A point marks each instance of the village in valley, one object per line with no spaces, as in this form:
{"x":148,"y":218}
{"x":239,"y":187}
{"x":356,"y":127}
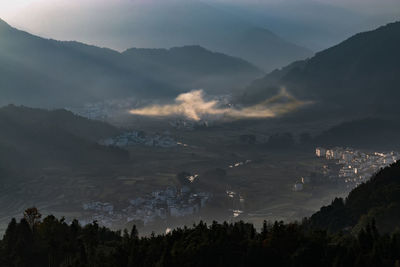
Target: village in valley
{"x":158,"y":205}
{"x":349,"y":166}
{"x":344,"y":167}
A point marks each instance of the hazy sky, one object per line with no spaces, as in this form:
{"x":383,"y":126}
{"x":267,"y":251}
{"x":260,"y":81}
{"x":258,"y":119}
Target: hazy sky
{"x":315,"y":24}
{"x":9,"y":7}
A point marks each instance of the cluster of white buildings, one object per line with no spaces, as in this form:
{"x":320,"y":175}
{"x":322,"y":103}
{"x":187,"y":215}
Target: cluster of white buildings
{"x":171,"y":202}
{"x":356,"y":166}
{"x":135,"y":138}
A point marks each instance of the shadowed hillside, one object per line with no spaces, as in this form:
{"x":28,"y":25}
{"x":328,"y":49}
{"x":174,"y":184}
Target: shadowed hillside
{"x":194,"y":67}
{"x":361,"y":73}
{"x":34,"y":138}
{"x":371,"y":133}
{"x":41,"y":72}
{"x":378,"y":199}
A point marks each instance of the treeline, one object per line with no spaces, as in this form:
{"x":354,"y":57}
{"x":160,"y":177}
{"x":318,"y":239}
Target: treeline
{"x":54,"y":242}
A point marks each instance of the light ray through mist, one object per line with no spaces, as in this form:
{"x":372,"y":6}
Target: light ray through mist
{"x":193,"y":105}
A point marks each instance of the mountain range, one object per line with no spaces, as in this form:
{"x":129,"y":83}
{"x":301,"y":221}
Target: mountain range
{"x":43,"y":72}
{"x":162,"y":23}
{"x":359,"y":74}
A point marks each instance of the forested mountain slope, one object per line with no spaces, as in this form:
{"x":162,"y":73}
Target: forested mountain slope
{"x":362,"y":72}
{"x":377,"y":199}
{"x":35,"y":139}
{"x":47,"y":73}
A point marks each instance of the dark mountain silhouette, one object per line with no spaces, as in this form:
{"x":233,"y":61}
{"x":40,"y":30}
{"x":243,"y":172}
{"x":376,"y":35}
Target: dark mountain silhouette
{"x":194,"y":67}
{"x":378,"y":199}
{"x":371,"y":133}
{"x":361,"y":73}
{"x":41,"y":72}
{"x":36,"y":71}
{"x":36,"y":138}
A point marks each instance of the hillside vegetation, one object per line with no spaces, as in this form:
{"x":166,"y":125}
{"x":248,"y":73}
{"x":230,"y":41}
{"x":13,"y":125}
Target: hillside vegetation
{"x":35,"y":138}
{"x":47,"y":73}
{"x":361,"y":73}
{"x":377,"y":199}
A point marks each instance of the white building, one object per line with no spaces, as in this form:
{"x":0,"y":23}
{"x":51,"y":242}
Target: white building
{"x":320,"y":152}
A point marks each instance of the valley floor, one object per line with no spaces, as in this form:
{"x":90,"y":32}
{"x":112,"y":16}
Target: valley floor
{"x":248,"y":182}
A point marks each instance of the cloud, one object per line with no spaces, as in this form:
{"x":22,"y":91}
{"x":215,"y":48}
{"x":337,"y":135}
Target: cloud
{"x":194,"y":106}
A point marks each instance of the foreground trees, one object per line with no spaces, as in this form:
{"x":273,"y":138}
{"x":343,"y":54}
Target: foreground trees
{"x":53,"y":242}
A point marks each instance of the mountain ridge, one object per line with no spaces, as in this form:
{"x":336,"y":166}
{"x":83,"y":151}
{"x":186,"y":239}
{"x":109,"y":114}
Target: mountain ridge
{"x":361,"y":71}
{"x":169,"y":24}
{"x":58,"y":73}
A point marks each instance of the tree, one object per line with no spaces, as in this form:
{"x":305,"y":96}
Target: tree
{"x":32,"y":216}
